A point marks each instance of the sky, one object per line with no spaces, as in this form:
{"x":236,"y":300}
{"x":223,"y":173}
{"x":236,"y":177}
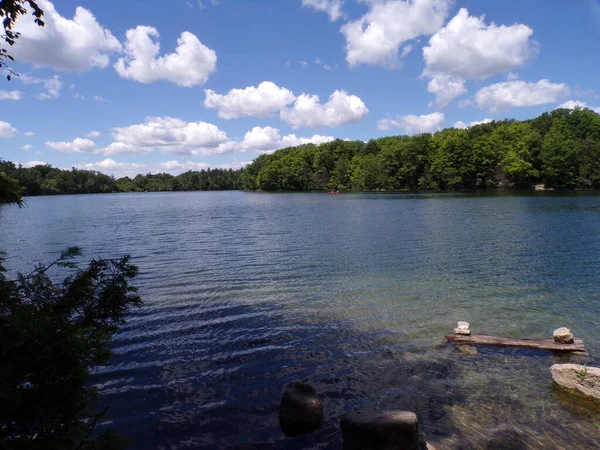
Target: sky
{"x":145,"y":86}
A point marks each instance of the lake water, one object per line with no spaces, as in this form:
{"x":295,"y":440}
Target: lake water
{"x":353,"y":293}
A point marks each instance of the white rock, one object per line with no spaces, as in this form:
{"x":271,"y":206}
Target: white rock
{"x":462,"y":325}
{"x":583,"y":379}
{"x":461,"y":331}
{"x":563,"y":336}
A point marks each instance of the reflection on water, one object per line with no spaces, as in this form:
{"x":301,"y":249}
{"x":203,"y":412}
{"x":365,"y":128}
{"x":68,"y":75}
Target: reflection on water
{"x":352,"y":293}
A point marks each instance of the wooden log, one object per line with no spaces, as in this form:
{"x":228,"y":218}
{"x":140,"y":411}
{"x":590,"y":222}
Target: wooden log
{"x":541,"y":344}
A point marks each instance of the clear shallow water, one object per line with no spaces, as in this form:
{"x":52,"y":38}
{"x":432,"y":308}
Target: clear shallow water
{"x":245,"y":292}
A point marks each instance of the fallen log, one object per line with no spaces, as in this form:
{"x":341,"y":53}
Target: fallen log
{"x":541,"y":344}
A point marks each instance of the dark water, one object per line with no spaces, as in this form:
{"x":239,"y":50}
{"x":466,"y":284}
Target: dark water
{"x":352,"y":293}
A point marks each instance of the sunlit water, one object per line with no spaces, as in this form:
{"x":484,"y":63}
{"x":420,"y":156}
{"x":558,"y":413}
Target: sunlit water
{"x":353,"y":293}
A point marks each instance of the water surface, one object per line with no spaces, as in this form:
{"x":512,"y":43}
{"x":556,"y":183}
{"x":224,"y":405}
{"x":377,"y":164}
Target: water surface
{"x":353,"y":293}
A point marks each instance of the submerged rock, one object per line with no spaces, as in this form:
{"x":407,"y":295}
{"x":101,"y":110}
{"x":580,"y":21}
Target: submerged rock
{"x":301,"y":410}
{"x":563,"y":336}
{"x":583,"y":379}
{"x":381,"y":430}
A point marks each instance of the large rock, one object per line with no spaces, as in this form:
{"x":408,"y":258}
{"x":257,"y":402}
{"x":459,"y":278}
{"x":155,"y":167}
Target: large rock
{"x":563,"y":336}
{"x":301,"y":410}
{"x":383,"y":430}
{"x":583,"y":379}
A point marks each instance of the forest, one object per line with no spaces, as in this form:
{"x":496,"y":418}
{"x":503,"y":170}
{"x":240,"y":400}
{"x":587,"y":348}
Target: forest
{"x":560,"y":149}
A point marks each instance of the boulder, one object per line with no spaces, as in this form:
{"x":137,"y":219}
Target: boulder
{"x":462,"y":325}
{"x":301,"y":410}
{"x":381,"y":430}
{"x":583,"y":379}
{"x":461,"y":331}
{"x":563,"y":336}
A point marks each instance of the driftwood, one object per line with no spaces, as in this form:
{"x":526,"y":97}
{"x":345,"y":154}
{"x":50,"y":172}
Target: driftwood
{"x":541,"y":344}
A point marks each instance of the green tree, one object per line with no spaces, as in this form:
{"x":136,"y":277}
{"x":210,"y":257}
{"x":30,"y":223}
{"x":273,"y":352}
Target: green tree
{"x":52,"y":334}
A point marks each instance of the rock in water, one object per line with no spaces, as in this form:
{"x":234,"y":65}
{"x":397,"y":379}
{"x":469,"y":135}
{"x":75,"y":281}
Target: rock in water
{"x":563,"y":336}
{"x":462,"y":325}
{"x":383,"y":430}
{"x":301,"y":410}
{"x":583,"y":379}
{"x":461,"y":331}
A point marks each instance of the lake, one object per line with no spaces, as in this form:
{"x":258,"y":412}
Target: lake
{"x":352,"y":293}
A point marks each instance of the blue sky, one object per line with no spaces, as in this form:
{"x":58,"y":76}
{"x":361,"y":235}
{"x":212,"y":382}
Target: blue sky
{"x":236,"y":78}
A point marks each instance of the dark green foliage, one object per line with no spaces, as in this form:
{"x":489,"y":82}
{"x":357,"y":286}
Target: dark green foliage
{"x":48,"y":180}
{"x":10,"y":10}
{"x":51,"y":335}
{"x":560,"y":149}
{"x":10,"y":190}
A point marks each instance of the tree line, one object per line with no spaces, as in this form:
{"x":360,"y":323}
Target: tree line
{"x":48,"y":180}
{"x":560,"y":149}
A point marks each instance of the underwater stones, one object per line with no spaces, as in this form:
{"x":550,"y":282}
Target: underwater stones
{"x":462,"y":328}
{"x":563,"y":336}
{"x":583,"y":379}
{"x":381,"y":430}
{"x":301,"y":410}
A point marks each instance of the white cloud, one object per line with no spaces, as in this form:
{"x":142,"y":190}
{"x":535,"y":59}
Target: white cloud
{"x":169,"y":134}
{"x":29,"y":133}
{"x":268,"y":139}
{"x":517,"y":94}
{"x":10,"y":95}
{"x":80,"y":43}
{"x":428,"y":123}
{"x":77,"y":145}
{"x":34,"y":163}
{"x":52,"y":86}
{"x":463,"y":126}
{"x":93,"y":134}
{"x":446,"y":88}
{"x":377,"y":36}
{"x":303,"y":64}
{"x":191,"y":64}
{"x":572,"y":104}
{"x":120,"y":169}
{"x":98,"y":98}
{"x":469,"y":49}
{"x":257,"y":101}
{"x":7,"y":130}
{"x":26,"y":147}
{"x":339,"y":110}
{"x":333,"y":8}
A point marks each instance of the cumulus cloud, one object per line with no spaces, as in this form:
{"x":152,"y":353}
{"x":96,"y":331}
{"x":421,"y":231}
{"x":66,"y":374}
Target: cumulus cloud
{"x":29,"y":133}
{"x":377,"y":36}
{"x":427,"y":123}
{"x":446,"y":87}
{"x":51,"y":85}
{"x":77,"y":145}
{"x":34,"y":163}
{"x":339,"y":110}
{"x":169,"y":134}
{"x":333,"y":8}
{"x":257,"y":101}
{"x":121,"y":169}
{"x":268,"y":139}
{"x":469,"y":49}
{"x":463,"y":126}
{"x":518,"y":94}
{"x":191,"y":64}
{"x":93,"y":134}
{"x":10,"y":95}
{"x":7,"y":130}
{"x":26,"y":147}
{"x":572,"y":104}
{"x":80,"y":43}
